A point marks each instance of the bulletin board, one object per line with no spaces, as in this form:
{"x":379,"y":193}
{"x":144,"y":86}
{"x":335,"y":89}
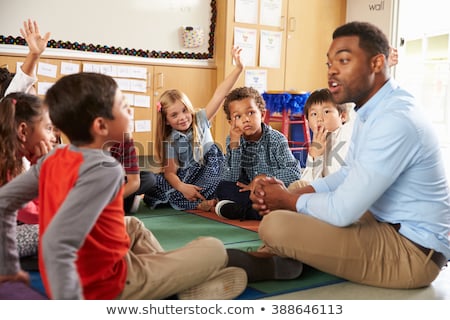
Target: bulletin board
{"x":175,"y":29}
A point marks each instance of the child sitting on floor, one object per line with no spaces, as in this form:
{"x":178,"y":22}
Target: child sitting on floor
{"x":192,"y":161}
{"x":25,"y":131}
{"x":137,"y":181}
{"x":332,"y":130}
{"x":254,"y":150}
{"x":87,"y":249}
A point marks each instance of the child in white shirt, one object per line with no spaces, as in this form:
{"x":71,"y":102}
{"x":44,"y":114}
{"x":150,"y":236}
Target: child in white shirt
{"x":332,"y":130}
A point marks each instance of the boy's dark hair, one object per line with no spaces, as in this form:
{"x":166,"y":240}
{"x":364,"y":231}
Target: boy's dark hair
{"x":320,"y":96}
{"x":240,"y":94}
{"x":74,"y":101}
{"x":371,"y":38}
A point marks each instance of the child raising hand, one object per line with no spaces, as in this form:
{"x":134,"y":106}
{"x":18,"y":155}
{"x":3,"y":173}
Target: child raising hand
{"x":25,"y":77}
{"x":184,"y":144}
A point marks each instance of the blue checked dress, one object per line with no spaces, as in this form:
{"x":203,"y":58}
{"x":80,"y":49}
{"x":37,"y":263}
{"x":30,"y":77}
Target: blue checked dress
{"x":205,"y":174}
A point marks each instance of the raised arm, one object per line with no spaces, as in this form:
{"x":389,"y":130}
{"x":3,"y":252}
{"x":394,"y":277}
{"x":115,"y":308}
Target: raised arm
{"x":36,"y":45}
{"x":222,"y":90}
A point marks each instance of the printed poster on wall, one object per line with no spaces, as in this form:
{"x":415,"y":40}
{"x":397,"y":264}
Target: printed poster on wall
{"x":271,"y":12}
{"x":256,"y":78}
{"x":270,"y":49}
{"x":246,"y":39}
{"x":246,"y":11}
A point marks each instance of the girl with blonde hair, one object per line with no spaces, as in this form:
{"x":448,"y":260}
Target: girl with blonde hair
{"x":191,"y":161}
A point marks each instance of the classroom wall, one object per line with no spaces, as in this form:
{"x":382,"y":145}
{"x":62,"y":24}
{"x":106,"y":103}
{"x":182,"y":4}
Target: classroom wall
{"x":382,"y":13}
{"x":138,"y":24}
{"x":221,"y":62}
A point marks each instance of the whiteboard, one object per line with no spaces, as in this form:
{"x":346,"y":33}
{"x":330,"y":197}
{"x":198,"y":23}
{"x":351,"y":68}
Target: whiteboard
{"x":152,"y":25}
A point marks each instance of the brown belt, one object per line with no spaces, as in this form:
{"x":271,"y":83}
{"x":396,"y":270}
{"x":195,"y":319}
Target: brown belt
{"x":437,"y":257}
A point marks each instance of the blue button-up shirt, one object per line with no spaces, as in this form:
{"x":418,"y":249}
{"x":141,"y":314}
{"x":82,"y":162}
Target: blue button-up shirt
{"x":394,"y":168}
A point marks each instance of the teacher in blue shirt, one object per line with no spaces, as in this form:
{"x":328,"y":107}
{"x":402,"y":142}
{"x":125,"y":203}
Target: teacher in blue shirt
{"x":384,"y":218}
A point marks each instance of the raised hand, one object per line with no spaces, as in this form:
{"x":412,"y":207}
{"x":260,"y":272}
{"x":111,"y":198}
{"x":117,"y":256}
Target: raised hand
{"x":236,"y":53}
{"x":36,"y":43}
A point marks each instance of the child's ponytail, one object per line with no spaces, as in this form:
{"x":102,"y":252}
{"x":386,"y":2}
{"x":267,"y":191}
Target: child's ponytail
{"x":10,"y":163}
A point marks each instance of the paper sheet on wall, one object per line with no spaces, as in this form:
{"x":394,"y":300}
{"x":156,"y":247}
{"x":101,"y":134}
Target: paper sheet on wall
{"x":246,"y":39}
{"x":270,"y":14}
{"x":91,"y":67}
{"x":47,"y":69}
{"x":108,"y":69}
{"x":142,"y":125}
{"x":42,"y":87}
{"x":69,"y":68}
{"x":270,"y":49}
{"x":141,"y":101}
{"x":138,"y":72}
{"x":138,"y":86}
{"x":132,"y":72}
{"x":124,"y":85}
{"x":131,"y":85}
{"x":246,"y":11}
{"x":121,"y":71}
{"x":257,"y":79}
{"x":129,"y":97}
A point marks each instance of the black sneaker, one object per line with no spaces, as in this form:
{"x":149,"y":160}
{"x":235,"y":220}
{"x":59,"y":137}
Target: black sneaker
{"x":230,"y":210}
{"x":30,"y":263}
{"x":261,"y":266}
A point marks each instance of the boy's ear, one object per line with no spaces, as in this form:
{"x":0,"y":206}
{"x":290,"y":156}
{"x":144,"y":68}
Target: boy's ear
{"x":263,"y":114}
{"x":22,"y":131}
{"x":99,"y":127}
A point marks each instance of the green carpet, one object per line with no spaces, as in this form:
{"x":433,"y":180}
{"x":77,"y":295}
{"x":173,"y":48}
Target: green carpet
{"x":176,"y":228}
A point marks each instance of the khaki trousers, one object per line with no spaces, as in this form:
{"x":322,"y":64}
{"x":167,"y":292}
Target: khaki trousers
{"x":157,"y":274}
{"x":367,"y":252}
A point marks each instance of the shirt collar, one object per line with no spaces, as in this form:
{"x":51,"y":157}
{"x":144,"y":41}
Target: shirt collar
{"x":369,"y":107}
{"x":178,"y":135}
{"x":264,"y":130}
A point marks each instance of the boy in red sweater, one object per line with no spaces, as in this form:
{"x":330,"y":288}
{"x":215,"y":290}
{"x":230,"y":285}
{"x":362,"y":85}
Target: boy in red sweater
{"x":87,"y":249}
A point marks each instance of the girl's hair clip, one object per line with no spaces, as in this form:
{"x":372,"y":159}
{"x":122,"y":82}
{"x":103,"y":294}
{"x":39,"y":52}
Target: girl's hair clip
{"x":14,"y":101}
{"x":158,"y":106}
